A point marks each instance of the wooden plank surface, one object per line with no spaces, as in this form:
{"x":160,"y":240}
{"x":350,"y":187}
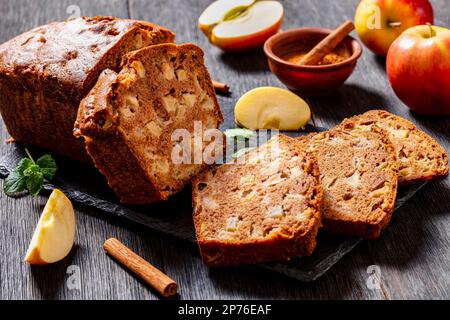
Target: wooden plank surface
{"x":413,"y":254}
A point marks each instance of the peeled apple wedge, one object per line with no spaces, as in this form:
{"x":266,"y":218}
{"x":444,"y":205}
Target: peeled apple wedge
{"x":55,"y":232}
{"x":239,"y":25}
{"x":272,"y":108}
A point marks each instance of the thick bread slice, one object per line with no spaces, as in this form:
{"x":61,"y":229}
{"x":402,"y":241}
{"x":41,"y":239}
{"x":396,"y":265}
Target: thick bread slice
{"x":358,"y":177}
{"x":420,"y":157}
{"x":128,"y":120}
{"x":263,"y":206}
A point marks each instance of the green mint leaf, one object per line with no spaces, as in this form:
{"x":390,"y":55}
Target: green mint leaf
{"x":24,"y":164}
{"x":14,"y":183}
{"x":48,"y":166}
{"x":240,"y":134}
{"x":242,"y":151}
{"x":31,"y":170}
{"x":34,"y":180}
{"x":29,"y":175}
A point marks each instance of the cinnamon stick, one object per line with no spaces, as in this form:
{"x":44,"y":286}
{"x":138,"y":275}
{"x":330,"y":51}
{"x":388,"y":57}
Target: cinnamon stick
{"x":328,"y":44}
{"x":151,"y":275}
{"x":221,"y":87}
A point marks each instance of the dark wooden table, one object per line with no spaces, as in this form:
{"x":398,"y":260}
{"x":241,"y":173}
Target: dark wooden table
{"x":413,"y":254}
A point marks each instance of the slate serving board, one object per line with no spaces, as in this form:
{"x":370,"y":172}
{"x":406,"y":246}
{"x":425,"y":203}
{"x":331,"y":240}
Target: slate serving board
{"x":84,"y":184}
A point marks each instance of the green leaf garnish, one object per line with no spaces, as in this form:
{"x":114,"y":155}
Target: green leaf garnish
{"x":239,"y":134}
{"x":35,"y":179}
{"x":48,"y":166}
{"x":14,"y":183}
{"x":29,"y":175}
{"x":23,"y":165}
{"x":242,"y":151}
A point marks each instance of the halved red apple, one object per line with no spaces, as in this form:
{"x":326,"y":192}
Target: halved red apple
{"x":239,"y":25}
{"x":220,"y":11}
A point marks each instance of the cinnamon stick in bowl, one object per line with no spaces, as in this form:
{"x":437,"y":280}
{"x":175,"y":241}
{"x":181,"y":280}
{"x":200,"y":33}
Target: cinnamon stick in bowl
{"x":328,"y":44}
{"x":309,"y":80}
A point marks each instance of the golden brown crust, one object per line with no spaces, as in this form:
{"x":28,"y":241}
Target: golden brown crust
{"x":420,"y":157}
{"x":55,"y":55}
{"x":160,"y":89}
{"x":95,"y":108}
{"x":359,"y":179}
{"x":278,"y":218}
{"x":45,"y":72}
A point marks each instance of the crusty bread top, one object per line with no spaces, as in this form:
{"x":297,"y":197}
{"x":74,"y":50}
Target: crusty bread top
{"x":95,"y":109}
{"x":270,"y":193}
{"x":161,"y":89}
{"x":358,"y":174}
{"x":72,"y":54}
{"x":420,"y":156}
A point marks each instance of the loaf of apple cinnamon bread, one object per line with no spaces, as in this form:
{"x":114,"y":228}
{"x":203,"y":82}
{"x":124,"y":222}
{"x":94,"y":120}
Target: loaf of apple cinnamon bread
{"x":263,"y":206}
{"x":129,"y":119}
{"x":45,"y":72}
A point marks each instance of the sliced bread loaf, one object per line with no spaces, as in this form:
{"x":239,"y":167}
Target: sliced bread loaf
{"x":263,"y":206}
{"x":358,"y":177}
{"x":128,"y":121}
{"x":45,"y":72}
{"x":420,"y":157}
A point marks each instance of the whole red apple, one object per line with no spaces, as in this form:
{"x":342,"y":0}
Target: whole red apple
{"x":418,"y":66}
{"x":380,"y":22}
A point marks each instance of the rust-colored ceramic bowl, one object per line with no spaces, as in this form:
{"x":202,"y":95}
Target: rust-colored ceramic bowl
{"x":309,"y":80}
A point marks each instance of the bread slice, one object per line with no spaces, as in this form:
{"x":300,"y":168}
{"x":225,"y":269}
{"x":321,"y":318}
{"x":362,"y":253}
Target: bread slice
{"x":128,"y":121}
{"x":358,"y":177}
{"x":420,"y":157}
{"x":263,"y":206}
{"x":45,"y":72}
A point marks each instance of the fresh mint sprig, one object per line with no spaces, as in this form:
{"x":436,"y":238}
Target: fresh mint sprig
{"x":242,"y":151}
{"x":239,"y":134}
{"x":29,"y":175}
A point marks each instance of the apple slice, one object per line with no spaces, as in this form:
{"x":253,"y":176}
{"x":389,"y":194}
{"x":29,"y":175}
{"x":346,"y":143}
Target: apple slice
{"x":271,"y":108}
{"x":241,"y":25}
{"x":55,"y":232}
{"x":219,"y":11}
